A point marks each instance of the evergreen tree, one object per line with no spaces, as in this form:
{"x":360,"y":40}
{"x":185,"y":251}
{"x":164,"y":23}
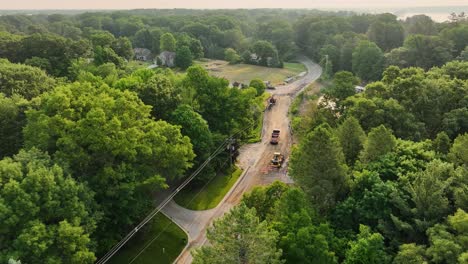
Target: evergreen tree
{"x":239,"y":237}
{"x":318,"y":167}
{"x":351,"y":137}
{"x":183,"y":58}
{"x":442,"y":143}
{"x":380,"y":141}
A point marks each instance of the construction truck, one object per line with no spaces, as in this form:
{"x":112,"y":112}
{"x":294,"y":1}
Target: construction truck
{"x":271,"y":102}
{"x":277,"y":160}
{"x":275,"y":137}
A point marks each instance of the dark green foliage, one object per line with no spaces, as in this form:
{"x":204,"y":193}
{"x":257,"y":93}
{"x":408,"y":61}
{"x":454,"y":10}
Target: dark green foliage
{"x":386,"y":32}
{"x":239,"y":236}
{"x":168,"y":42}
{"x":420,"y":24}
{"x":458,"y":35}
{"x":426,"y":51}
{"x":106,"y":138}
{"x":57,"y":50}
{"x":367,"y":249}
{"x":442,"y":143}
{"x":22,"y":80}
{"x":459,"y":151}
{"x":263,"y":199}
{"x":155,"y":90}
{"x":342,"y":87}
{"x":183,"y":57}
{"x":225,"y":109}
{"x":301,"y":238}
{"x":368,"y":61}
{"x":258,"y":85}
{"x":318,"y":167}
{"x":196,"y":128}
{"x":232,"y":56}
{"x":46,"y":215}
{"x":104,"y":55}
{"x":380,"y":141}
{"x":12,"y":121}
{"x":351,"y":137}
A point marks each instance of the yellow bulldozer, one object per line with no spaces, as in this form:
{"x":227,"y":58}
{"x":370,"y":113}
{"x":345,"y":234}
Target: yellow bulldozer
{"x":277,"y":160}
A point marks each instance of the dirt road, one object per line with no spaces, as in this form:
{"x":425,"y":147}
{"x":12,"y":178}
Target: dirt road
{"x":254,"y":159}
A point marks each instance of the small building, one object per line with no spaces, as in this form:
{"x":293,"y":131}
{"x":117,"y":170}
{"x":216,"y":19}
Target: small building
{"x":167,"y":58}
{"x":143,"y":54}
{"x":254,"y":57}
{"x":359,"y":89}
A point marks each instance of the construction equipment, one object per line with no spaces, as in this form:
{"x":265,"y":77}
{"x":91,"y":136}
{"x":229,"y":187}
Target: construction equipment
{"x":275,"y":137}
{"x":277,"y":160}
{"x":271,"y":102}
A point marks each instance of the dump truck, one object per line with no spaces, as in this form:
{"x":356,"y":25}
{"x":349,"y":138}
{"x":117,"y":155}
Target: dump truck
{"x":275,"y":137}
{"x":277,"y":160}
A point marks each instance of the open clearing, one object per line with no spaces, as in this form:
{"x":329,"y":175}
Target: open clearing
{"x":209,"y":196}
{"x":244,"y":73}
{"x":164,"y":249}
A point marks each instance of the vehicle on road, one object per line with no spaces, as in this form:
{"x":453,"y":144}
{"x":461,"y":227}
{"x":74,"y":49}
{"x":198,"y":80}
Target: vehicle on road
{"x":271,"y":102}
{"x":275,"y":137}
{"x":277,"y":160}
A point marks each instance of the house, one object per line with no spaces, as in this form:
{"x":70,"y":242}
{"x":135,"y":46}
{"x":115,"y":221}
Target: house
{"x":143,"y":54}
{"x":167,"y":58}
{"x":359,"y":89}
{"x":254,"y":57}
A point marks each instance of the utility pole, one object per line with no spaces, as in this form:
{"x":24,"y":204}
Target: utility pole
{"x":231,"y":148}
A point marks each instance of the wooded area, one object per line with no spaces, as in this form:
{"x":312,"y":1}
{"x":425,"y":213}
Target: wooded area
{"x":88,"y":139}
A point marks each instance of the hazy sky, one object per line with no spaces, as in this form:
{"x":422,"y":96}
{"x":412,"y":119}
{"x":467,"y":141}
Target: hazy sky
{"x":133,"y":4}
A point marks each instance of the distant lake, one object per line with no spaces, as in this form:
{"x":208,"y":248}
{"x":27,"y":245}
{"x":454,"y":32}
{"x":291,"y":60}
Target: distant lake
{"x":438,"y":17}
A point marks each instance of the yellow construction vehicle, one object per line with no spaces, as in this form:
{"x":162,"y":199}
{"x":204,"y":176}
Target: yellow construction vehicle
{"x":277,"y":160}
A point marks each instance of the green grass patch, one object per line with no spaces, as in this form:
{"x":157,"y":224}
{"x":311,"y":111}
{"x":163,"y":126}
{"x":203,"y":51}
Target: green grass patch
{"x":164,"y":249}
{"x":244,"y":73}
{"x":295,"y":67}
{"x":208,"y":197}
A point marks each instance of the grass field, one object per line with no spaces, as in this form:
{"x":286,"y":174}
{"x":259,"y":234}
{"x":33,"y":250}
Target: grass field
{"x":162,"y":250}
{"x":209,"y":196}
{"x":244,"y":73}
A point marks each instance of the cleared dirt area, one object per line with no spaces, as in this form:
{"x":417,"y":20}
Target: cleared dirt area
{"x":244,"y":73}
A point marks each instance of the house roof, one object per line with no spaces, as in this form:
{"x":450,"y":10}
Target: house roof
{"x":142,"y":52}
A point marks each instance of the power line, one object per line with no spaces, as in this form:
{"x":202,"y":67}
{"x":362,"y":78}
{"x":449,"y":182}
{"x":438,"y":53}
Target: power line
{"x":150,"y":216}
{"x":167,"y":226}
{"x":155,"y":211}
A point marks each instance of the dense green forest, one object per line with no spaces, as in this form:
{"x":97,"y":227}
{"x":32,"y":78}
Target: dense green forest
{"x":380,"y":177}
{"x":88,"y":137}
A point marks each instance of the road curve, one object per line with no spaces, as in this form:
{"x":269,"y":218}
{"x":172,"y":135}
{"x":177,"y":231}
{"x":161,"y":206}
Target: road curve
{"x":254,"y":159}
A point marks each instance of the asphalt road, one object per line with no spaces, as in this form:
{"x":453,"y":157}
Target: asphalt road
{"x":254,"y":159}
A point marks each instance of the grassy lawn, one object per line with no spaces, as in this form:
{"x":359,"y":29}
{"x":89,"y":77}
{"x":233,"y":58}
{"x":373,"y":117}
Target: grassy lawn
{"x":210,"y":196}
{"x":244,"y":73}
{"x":171,"y":240}
{"x":295,"y":66}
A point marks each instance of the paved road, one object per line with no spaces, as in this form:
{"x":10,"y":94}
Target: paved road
{"x":254,"y":159}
